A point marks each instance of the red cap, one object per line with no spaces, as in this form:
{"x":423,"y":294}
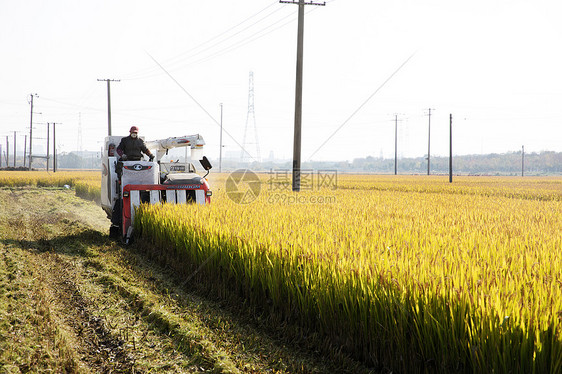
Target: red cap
{"x":134,"y":129}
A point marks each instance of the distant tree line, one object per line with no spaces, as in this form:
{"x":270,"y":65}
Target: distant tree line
{"x":75,"y":160}
{"x":543,"y":163}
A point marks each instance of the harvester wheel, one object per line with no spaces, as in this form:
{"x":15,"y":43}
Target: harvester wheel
{"x":114,"y":231}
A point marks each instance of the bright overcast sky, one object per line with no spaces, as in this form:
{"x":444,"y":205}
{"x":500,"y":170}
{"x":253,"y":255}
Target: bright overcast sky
{"x":495,"y":65}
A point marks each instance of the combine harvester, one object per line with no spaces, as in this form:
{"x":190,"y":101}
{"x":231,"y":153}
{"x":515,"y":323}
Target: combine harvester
{"x":127,"y":184}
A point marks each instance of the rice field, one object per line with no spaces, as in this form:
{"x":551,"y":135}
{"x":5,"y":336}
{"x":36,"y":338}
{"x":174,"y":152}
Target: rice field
{"x":406,"y":273}
{"x":47,"y":179}
{"x":85,"y":183}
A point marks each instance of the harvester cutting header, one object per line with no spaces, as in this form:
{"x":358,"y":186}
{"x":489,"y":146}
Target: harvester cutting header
{"x":128,"y":179}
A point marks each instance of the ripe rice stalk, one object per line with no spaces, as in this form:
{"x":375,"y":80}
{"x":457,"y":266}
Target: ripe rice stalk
{"x":449,"y":281}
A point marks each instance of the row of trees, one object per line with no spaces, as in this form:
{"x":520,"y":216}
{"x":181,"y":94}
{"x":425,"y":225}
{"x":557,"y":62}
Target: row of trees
{"x":543,"y":163}
{"x":504,"y":164}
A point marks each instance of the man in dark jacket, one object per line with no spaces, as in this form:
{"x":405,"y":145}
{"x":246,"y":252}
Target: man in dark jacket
{"x":132,"y":147}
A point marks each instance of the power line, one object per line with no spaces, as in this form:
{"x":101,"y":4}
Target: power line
{"x":245,"y":41}
{"x":149,"y":72}
{"x":72,"y":105}
{"x":227,"y":49}
{"x":253,"y":37}
{"x":184,"y":62}
{"x":363,"y":104}
{"x":228,"y":38}
{"x":195,"y":101}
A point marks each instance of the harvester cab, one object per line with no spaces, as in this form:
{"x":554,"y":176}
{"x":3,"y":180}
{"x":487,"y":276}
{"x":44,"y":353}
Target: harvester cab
{"x":127,"y":184}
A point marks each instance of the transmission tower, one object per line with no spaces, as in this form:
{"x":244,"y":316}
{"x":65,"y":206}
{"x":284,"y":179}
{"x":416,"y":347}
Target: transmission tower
{"x":245,"y":153}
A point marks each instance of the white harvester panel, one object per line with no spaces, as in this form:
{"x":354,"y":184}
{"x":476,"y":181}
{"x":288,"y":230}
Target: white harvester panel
{"x":109,"y":187}
{"x":171,"y":196}
{"x":181,"y":197}
{"x":200,"y":197}
{"x":139,"y":172}
{"x":135,"y":202}
{"x":154,"y":197}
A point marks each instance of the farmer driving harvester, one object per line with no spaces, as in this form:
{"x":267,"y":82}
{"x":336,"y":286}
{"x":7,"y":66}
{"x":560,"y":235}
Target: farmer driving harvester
{"x":132,"y":147}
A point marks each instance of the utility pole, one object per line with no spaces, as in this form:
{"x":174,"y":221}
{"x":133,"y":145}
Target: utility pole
{"x":522,"y":160}
{"x":15,"y":149}
{"x":47,"y":146}
{"x":298,"y":93}
{"x":54,"y":145}
{"x":24,"y":150}
{"x":31,"y":131}
{"x":429,"y":142}
{"x":450,"y":148}
{"x":395,"y":144}
{"x":109,"y":102}
{"x":54,"y":149}
{"x":220,"y":151}
{"x":7,"y":152}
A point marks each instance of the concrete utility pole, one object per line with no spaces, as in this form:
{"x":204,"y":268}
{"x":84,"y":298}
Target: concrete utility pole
{"x":24,"y":150}
{"x":450,"y":148}
{"x":54,"y":145}
{"x":54,"y":149}
{"x":395,"y":144}
{"x":220,"y":151}
{"x":298,"y":93}
{"x":109,"y":102}
{"x":522,"y":160}
{"x":31,"y":131}
{"x":48,"y":146}
{"x":15,"y":149}
{"x":429,"y":142}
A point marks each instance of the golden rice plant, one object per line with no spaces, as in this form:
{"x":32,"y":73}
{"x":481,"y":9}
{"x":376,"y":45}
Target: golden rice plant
{"x":86,"y":183}
{"x":45,"y":179}
{"x":533,"y":188}
{"x":411,"y":278}
{"x":89,"y":190}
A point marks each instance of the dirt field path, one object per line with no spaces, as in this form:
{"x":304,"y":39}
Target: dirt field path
{"x":73,"y":301}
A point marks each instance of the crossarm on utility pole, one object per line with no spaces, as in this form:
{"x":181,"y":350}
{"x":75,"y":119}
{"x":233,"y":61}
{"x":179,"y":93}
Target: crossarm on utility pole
{"x":302,"y":2}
